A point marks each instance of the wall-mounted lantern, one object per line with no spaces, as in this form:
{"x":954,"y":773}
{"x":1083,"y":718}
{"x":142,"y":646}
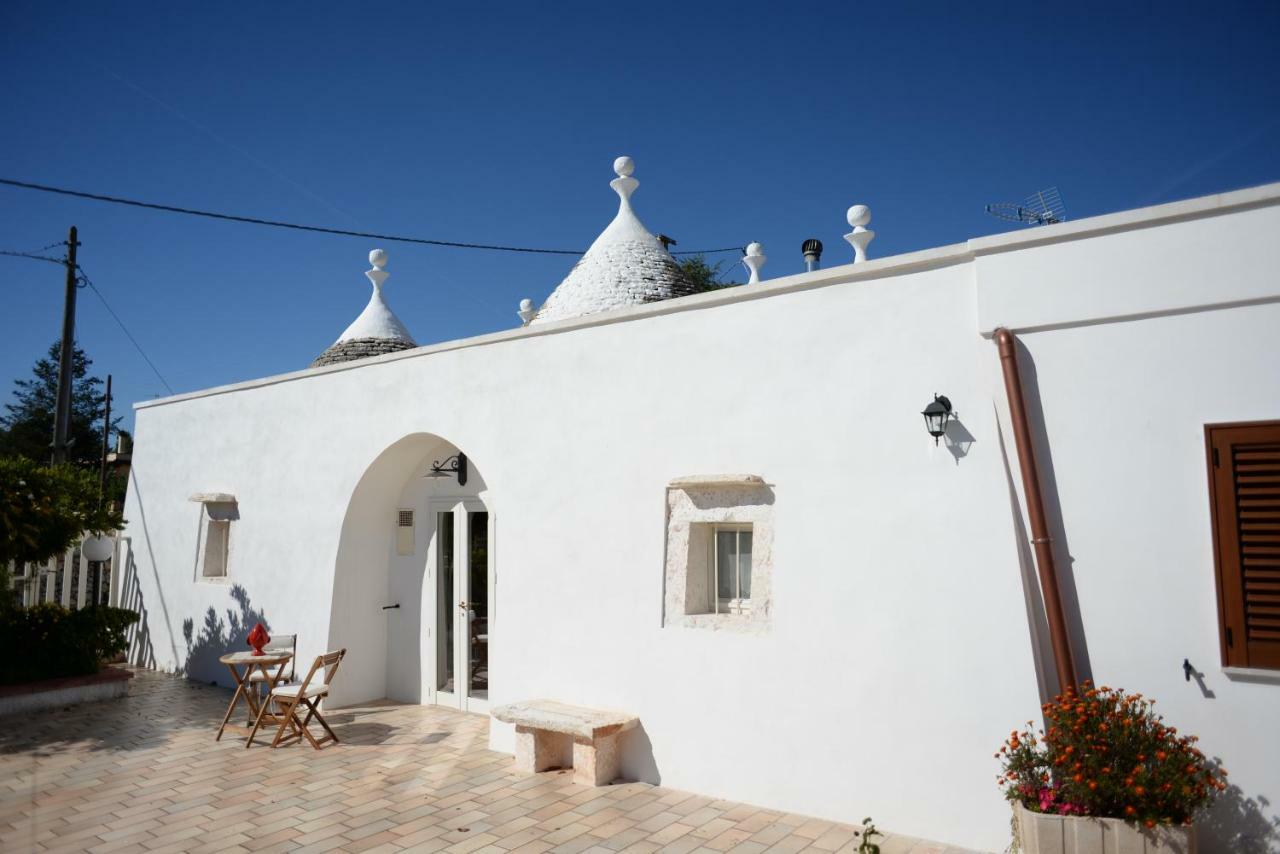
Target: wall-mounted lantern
{"x":455,"y":465}
{"x":936,"y":415}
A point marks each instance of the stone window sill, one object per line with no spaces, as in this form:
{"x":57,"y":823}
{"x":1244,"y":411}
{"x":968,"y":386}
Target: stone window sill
{"x":750,"y":623}
{"x":1252,"y":674}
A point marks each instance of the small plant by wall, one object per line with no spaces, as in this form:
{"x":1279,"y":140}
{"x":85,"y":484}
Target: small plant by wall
{"x":49,"y":641}
{"x":867,"y":834}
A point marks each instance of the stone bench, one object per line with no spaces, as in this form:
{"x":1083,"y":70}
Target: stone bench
{"x":545,"y":729}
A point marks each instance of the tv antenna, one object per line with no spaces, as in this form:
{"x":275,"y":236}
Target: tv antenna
{"x":1042,"y":208}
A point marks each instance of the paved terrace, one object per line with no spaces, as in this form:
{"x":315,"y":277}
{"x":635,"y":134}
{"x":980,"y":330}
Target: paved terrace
{"x":144,"y":774}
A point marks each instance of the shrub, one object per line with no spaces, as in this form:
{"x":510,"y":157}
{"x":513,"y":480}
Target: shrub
{"x":44,"y":509}
{"x":1105,"y":753}
{"x":48,"y":641}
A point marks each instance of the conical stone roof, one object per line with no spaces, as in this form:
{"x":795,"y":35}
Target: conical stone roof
{"x":376,"y":331}
{"x":626,"y":265}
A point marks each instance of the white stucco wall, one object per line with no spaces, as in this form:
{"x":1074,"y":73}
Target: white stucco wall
{"x":900,"y":649}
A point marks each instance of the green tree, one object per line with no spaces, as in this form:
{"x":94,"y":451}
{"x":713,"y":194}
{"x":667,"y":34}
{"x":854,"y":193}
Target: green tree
{"x":706,"y":277}
{"x":44,"y":509}
{"x":26,"y":428}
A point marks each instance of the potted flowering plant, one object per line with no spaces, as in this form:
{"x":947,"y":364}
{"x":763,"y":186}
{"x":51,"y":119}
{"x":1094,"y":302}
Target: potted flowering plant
{"x":1106,"y":774}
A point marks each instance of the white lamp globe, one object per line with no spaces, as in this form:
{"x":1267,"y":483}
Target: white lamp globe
{"x":97,"y":548}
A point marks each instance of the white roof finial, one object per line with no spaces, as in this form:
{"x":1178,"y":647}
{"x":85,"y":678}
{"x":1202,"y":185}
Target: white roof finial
{"x":626,"y":265}
{"x":377,"y":320}
{"x":379,"y":274}
{"x":753,"y":261}
{"x":527,"y":311}
{"x":858,"y":217}
{"x":376,"y":331}
{"x":624,"y":185}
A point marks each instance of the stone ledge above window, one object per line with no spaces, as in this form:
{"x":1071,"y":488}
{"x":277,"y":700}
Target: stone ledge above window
{"x":697,"y":507}
{"x":702,"y":481}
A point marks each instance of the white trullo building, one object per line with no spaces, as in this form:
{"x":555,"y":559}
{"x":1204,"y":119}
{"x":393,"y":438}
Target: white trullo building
{"x":721,"y":512}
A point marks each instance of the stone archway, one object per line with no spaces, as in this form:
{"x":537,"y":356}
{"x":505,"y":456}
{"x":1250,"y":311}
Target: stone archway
{"x":388,"y":650}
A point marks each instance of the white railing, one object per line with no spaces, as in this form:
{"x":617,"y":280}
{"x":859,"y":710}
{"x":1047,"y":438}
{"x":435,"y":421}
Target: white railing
{"x":64,"y":579}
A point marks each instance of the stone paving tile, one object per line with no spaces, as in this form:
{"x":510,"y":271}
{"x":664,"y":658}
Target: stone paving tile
{"x":144,"y":774}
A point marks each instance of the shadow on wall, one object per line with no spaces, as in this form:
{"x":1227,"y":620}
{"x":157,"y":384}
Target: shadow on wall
{"x":958,"y":439}
{"x":1046,"y":672}
{"x":141,"y":652}
{"x":1239,"y":824}
{"x":218,"y":637}
{"x":143,"y":646}
{"x":1053,"y":513}
{"x":638,"y":762}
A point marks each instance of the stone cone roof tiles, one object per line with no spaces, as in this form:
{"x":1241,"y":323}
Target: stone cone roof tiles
{"x":626,"y":265}
{"x":360,"y":348}
{"x":376,"y":331}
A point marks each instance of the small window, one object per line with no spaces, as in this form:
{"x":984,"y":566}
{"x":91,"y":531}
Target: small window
{"x":216,"y":542}
{"x":213,"y":549}
{"x":1244,"y":498}
{"x":731,"y":564}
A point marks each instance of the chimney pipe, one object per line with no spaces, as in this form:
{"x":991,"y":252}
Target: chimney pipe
{"x":812,"y":250}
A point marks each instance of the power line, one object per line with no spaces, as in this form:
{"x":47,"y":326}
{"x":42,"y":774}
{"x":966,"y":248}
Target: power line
{"x":315,"y":228}
{"x":34,"y":256}
{"x":83,"y":277}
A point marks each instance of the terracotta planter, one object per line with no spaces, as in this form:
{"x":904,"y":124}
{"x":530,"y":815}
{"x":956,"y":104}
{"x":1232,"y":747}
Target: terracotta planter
{"x":1040,"y":833}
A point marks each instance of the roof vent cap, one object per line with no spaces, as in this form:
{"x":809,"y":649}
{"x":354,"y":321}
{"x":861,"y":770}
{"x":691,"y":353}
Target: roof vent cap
{"x":812,"y":250}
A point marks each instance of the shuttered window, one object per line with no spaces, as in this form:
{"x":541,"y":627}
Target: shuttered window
{"x":1244,"y":487}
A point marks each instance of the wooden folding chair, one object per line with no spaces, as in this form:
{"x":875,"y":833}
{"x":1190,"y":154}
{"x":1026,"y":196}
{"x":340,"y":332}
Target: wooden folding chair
{"x":289,"y":697}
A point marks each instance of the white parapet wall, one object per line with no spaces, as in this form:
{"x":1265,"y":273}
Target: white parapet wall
{"x":903,"y":640}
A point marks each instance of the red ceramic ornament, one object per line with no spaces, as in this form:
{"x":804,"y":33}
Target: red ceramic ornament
{"x":258,"y":638}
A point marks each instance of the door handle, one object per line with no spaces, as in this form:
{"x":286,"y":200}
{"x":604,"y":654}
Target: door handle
{"x":462,"y":605}
{"x":389,"y":607}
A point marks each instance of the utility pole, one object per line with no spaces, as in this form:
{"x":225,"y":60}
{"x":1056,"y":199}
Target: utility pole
{"x":62,"y":416}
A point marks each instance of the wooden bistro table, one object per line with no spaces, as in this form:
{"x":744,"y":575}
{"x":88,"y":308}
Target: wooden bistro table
{"x":247,"y":689}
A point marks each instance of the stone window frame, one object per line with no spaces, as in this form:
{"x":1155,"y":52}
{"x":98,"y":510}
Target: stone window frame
{"x":694,"y":506}
{"x":217,"y":511}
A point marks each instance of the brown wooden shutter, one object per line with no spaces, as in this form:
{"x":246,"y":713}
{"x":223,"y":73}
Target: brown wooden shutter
{"x":1244,"y":490}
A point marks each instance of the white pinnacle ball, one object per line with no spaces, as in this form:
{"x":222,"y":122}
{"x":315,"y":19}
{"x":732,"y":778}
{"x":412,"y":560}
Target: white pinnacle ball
{"x":378,"y":258}
{"x":526,"y":304}
{"x":755,"y":249}
{"x":624,"y":166}
{"x":859,"y":215}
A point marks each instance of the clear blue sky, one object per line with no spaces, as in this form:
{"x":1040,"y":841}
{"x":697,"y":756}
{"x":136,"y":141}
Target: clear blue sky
{"x":499,"y":124}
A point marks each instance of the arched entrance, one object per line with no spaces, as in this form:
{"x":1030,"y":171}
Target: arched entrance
{"x":413,"y":598}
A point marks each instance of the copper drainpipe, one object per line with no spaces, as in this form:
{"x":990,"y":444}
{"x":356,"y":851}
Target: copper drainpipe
{"x":1065,"y":664}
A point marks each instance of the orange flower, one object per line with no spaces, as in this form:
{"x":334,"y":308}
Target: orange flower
{"x":1150,"y":823}
{"x":1129,"y":810}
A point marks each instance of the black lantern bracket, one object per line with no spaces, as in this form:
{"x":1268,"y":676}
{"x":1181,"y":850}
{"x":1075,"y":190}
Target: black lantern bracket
{"x":455,"y":465}
{"x":936,"y":416}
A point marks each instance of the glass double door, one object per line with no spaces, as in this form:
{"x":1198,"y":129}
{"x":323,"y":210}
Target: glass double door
{"x":463,"y":581}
